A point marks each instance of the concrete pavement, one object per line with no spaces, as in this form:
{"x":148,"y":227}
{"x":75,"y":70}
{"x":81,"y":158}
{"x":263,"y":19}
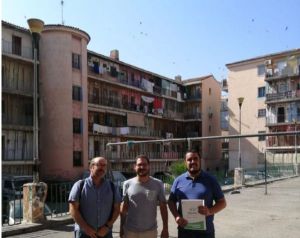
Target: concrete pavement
{"x":250,"y":214}
{"x":253,"y":214}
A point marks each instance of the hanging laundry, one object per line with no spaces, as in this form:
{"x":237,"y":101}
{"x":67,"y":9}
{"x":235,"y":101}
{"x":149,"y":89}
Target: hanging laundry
{"x":100,"y":70}
{"x":157,"y":103}
{"x":147,"y":99}
{"x":96,"y":68}
{"x":179,"y":96}
{"x":124,"y":130}
{"x":147,"y":86}
{"x":173,"y":87}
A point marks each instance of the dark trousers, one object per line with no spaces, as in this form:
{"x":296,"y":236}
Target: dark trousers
{"x":81,"y":234}
{"x":183,"y":233}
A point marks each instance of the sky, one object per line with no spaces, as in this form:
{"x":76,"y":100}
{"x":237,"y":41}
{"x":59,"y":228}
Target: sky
{"x":191,"y":38}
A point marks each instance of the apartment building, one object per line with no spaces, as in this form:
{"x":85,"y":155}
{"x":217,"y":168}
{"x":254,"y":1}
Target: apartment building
{"x":17,"y":100}
{"x":269,"y":85}
{"x":87,"y":99}
{"x":128,"y":103}
{"x":224,"y":116}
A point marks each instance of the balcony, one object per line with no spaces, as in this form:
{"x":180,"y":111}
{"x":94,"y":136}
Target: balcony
{"x":10,"y":85}
{"x":107,"y":101}
{"x":192,"y":116}
{"x":17,"y":120}
{"x":105,"y":74}
{"x":282,"y":96}
{"x":9,"y":48}
{"x":282,"y":119}
{"x":125,"y":131}
{"x":17,"y":154}
{"x":192,"y":134}
{"x":157,"y":89}
{"x":164,"y":156}
{"x":196,"y":96}
{"x":275,"y":73}
{"x":287,"y":142}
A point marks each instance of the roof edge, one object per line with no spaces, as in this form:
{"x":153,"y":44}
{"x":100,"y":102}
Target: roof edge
{"x":263,"y":57}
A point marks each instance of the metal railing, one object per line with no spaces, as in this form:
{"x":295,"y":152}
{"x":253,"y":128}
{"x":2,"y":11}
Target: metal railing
{"x":282,"y":118}
{"x":58,"y":193}
{"x":196,"y":115}
{"x":272,"y":170}
{"x":56,"y":204}
{"x":281,"y":96}
{"x":126,"y":155}
{"x":19,"y":120}
{"x":57,"y":198}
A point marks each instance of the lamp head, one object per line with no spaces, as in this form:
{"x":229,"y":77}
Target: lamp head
{"x":240,"y":101}
{"x":35,"y":25}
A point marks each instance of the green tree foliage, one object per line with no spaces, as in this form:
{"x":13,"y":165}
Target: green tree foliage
{"x":178,"y":168}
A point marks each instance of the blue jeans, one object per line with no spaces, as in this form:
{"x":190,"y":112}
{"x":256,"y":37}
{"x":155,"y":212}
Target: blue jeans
{"x":81,"y":234}
{"x":183,"y":233}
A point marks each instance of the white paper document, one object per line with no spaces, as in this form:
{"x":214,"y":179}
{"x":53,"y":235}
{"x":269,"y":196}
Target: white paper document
{"x":196,"y":221}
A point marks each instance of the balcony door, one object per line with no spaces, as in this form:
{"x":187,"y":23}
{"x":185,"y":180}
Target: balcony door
{"x":280,"y":114}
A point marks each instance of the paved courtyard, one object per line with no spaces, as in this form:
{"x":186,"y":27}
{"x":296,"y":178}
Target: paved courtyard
{"x":250,"y":214}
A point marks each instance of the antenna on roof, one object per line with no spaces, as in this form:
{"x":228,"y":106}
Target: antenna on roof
{"x":62,"y":12}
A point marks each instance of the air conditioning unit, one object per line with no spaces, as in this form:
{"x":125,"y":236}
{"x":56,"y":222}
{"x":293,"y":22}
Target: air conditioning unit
{"x":268,"y":62}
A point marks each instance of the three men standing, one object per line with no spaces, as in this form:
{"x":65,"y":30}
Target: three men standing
{"x":95,"y":204}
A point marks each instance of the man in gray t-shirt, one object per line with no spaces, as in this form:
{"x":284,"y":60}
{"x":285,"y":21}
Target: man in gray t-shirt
{"x":141,"y":196}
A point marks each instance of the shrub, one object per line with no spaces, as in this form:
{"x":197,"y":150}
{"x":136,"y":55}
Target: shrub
{"x":178,"y":168}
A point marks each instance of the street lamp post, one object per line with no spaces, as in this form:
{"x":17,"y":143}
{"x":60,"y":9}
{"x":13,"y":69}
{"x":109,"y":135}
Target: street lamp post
{"x":35,"y":26}
{"x":238,"y":172}
{"x":296,"y":161}
{"x":36,"y":191}
{"x":240,"y":101}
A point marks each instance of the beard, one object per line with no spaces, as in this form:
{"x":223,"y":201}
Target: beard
{"x":193,"y":171}
{"x":99,"y":173}
{"x":142,"y":173}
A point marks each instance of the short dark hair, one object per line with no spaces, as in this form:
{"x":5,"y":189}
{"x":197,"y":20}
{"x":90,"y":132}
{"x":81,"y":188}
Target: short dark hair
{"x":194,"y":151}
{"x":142,"y":157}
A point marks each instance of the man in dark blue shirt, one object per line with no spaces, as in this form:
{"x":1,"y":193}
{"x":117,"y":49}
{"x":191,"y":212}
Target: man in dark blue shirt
{"x":196,"y":184}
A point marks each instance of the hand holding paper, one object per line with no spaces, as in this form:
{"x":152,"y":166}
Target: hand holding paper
{"x":190,"y":212}
{"x":204,"y":210}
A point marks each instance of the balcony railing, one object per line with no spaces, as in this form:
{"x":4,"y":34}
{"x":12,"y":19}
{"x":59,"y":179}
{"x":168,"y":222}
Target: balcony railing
{"x":11,"y":85}
{"x":17,"y":120}
{"x":17,"y":154}
{"x":195,"y":116}
{"x":157,"y":89}
{"x":174,"y":155}
{"x":7,"y":47}
{"x":196,"y":96}
{"x":282,"y":96}
{"x":282,"y":141}
{"x":125,"y":131}
{"x":116,"y":102}
{"x":192,"y":134}
{"x":282,"y":118}
{"x":275,"y":73}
